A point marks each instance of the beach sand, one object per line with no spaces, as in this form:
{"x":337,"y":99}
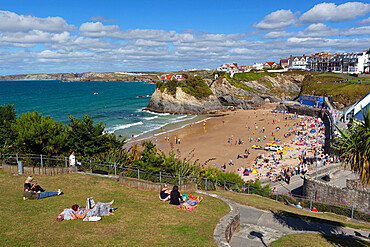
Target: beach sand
{"x":208,"y":144}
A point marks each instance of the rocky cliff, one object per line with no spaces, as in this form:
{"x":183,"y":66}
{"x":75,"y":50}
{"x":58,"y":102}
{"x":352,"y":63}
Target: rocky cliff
{"x":182,"y":103}
{"x":254,"y":93}
{"x":230,"y":92}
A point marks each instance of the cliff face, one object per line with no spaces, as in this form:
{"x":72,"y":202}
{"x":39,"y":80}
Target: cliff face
{"x":181,"y":103}
{"x":270,"y":89}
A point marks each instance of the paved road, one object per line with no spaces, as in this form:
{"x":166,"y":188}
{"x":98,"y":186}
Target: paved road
{"x":260,"y":228}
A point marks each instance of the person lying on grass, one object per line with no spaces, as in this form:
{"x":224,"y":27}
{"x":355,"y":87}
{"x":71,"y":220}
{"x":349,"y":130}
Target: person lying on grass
{"x":33,"y":195}
{"x":100,"y":209}
{"x":191,"y":203}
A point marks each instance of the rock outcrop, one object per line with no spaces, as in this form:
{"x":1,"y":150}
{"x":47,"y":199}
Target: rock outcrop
{"x":182,"y":103}
{"x":271,"y":89}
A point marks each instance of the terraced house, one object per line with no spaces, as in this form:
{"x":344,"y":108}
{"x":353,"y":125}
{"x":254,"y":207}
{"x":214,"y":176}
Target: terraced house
{"x":340,"y":63}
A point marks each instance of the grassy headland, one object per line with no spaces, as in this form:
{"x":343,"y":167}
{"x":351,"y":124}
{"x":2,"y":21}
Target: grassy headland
{"x":141,"y":219}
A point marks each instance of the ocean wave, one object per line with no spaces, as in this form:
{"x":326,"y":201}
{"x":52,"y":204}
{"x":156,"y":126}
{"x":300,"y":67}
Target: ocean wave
{"x":125,"y":126}
{"x":150,"y":118}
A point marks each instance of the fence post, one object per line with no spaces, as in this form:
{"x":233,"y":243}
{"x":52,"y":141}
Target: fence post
{"x":65,"y":158}
{"x":90,"y":167}
{"x":160,"y":177}
{"x":353,"y":209}
{"x":138,"y":174}
{"x":179,"y":179}
{"x":42,"y":164}
{"x":248,"y":188}
{"x":206,"y":183}
{"x":277,"y":195}
{"x":310,"y":203}
{"x":115,"y":168}
{"x":17,"y":157}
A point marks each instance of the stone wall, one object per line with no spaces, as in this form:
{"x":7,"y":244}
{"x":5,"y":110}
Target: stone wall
{"x":228,"y":225}
{"x":27,"y":170}
{"x":322,"y":191}
{"x":135,"y":183}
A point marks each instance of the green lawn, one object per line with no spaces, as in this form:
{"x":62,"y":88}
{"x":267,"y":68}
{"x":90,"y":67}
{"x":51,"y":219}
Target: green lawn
{"x":317,"y":240}
{"x":278,"y":207}
{"x":141,"y":219}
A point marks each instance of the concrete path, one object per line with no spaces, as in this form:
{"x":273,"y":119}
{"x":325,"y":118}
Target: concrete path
{"x":260,"y":228}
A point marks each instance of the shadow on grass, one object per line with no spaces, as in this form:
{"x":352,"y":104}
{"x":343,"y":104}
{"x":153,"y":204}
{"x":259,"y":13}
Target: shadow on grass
{"x":347,"y":241}
{"x":307,"y":223}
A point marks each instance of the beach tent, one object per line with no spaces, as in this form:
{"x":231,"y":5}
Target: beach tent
{"x":277,"y":128}
{"x":254,"y":171}
{"x":313,"y":131}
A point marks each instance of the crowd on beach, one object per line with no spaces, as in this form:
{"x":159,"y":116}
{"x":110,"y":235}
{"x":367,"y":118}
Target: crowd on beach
{"x":300,"y":144}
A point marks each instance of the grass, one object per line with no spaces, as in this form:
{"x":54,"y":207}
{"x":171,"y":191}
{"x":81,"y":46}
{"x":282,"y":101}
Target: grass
{"x":340,"y":76}
{"x":284,"y":210}
{"x":318,"y":240}
{"x":141,"y":219}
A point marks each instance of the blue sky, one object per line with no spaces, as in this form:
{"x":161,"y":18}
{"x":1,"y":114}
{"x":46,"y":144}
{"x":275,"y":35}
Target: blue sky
{"x":113,"y":35}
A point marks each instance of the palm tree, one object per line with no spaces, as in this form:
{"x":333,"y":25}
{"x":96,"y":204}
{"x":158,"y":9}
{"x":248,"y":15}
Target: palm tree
{"x":354,"y":146}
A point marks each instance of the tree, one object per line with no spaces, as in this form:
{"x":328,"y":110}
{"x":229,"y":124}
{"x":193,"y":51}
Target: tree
{"x":7,"y":118}
{"x":89,"y":139}
{"x":39,"y":135}
{"x":354,"y":146}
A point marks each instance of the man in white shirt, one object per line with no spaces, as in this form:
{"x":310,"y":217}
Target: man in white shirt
{"x":72,"y":159}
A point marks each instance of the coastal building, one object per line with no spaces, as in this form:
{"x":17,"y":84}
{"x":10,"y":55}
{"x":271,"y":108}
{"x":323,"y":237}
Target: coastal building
{"x":228,"y":68}
{"x":298,"y":62}
{"x":340,"y":63}
{"x":257,"y":66}
{"x":270,"y":65}
{"x":233,"y":68}
{"x":167,"y":77}
{"x":284,"y":62}
{"x":355,"y":111}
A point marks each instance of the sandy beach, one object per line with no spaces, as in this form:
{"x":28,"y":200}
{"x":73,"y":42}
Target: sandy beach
{"x":216,"y":142}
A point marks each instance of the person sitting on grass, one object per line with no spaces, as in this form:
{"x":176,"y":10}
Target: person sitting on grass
{"x":175,"y":197}
{"x":299,"y":205}
{"x":32,"y":195}
{"x":164,"y":195}
{"x":191,"y":204}
{"x":34,"y":187}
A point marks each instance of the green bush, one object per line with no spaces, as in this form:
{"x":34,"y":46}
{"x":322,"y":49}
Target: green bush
{"x":194,"y":86}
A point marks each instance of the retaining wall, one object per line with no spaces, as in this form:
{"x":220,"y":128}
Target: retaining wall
{"x":28,"y":170}
{"x":326,"y":192}
{"x":135,"y":183}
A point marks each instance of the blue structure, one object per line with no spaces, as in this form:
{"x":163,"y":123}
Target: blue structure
{"x":316,"y":101}
{"x":355,"y":110}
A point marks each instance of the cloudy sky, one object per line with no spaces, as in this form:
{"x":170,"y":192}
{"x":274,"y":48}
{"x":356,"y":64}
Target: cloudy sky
{"x":41,"y":36}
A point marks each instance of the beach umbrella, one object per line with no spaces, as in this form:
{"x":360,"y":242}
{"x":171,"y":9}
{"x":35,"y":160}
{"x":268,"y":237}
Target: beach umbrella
{"x":277,"y":128}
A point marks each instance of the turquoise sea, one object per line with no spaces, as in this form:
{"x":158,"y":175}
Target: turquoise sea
{"x":119,"y":105}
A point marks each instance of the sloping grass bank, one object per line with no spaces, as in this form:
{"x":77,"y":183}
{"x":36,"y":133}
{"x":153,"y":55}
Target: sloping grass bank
{"x":141,"y":219}
{"x":284,"y":210}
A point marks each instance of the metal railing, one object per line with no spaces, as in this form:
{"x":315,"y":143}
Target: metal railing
{"x":202,"y":183}
{"x":109,"y":167}
{"x":306,"y":202}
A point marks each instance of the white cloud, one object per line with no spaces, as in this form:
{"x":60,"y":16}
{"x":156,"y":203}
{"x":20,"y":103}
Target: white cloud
{"x":331,"y":12}
{"x":274,"y":35}
{"x":364,"y":21}
{"x":97,"y":29}
{"x":278,"y":19}
{"x":12,"y":22}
